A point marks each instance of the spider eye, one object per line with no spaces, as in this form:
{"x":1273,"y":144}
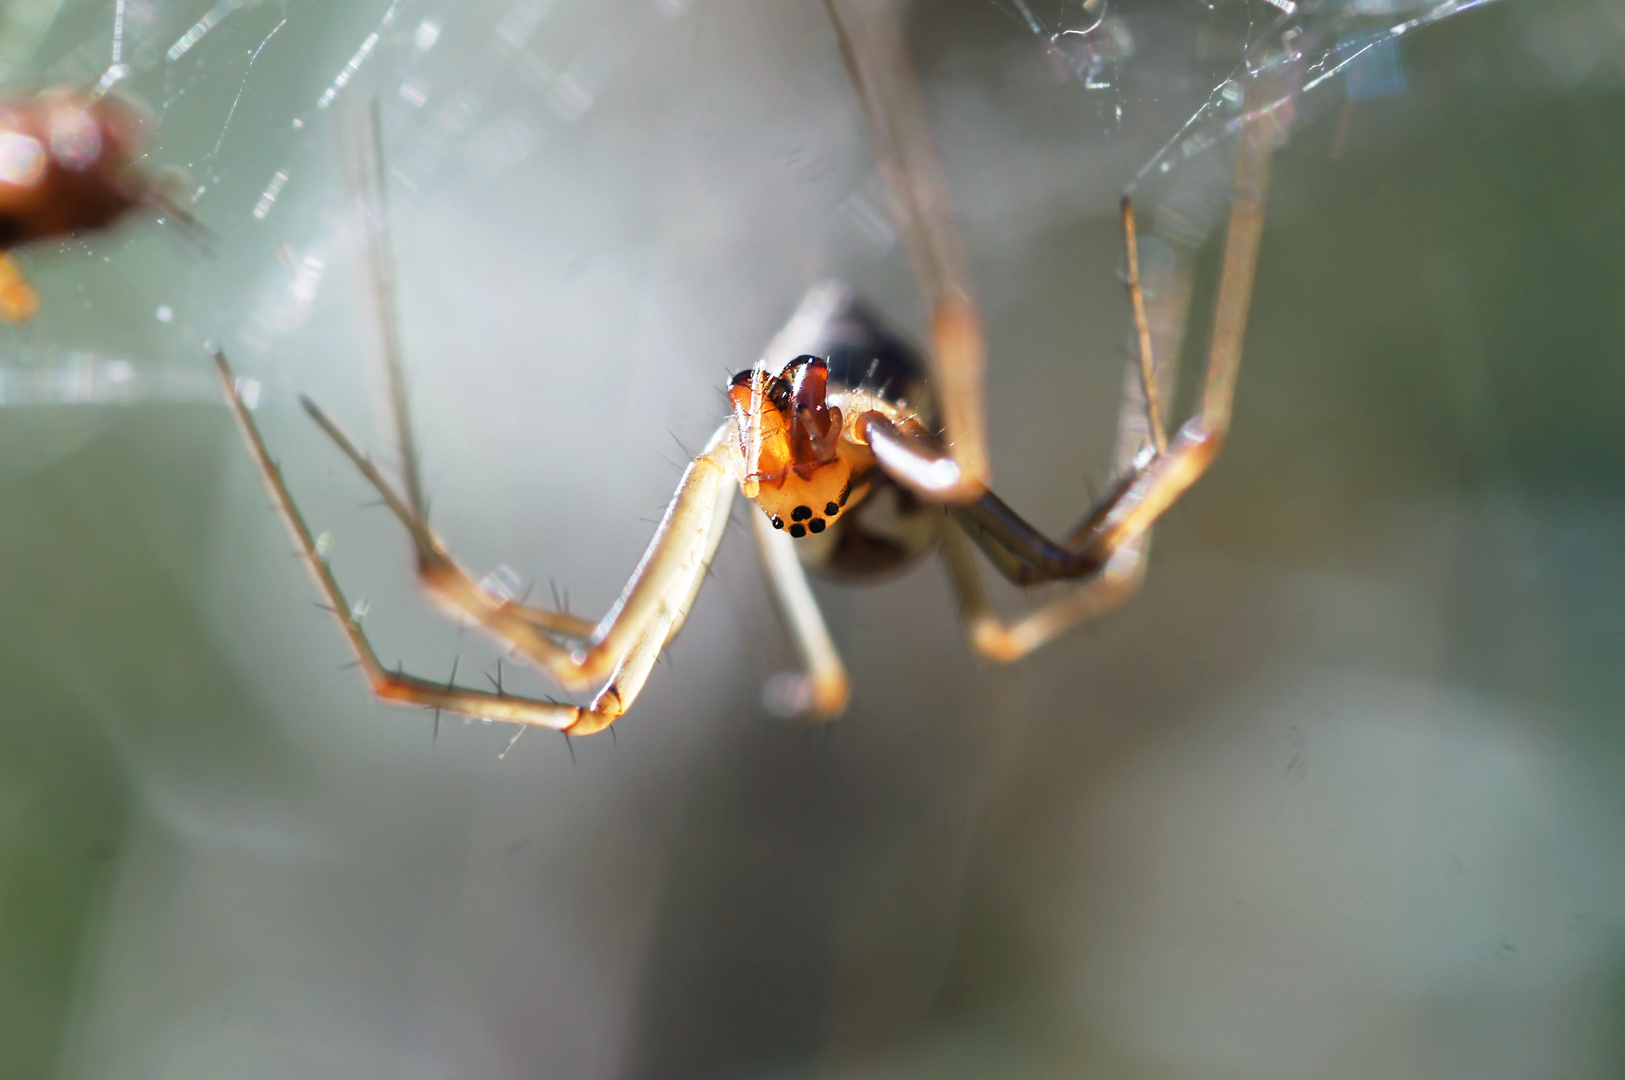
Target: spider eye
{"x":831,"y":509}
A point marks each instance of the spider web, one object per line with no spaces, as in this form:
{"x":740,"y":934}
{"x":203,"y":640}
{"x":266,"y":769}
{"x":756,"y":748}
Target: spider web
{"x":602,"y":208}
{"x":667,"y":143}
{"x":241,"y":92}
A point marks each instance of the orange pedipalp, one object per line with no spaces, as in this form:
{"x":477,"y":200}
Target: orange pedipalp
{"x":764,"y":433}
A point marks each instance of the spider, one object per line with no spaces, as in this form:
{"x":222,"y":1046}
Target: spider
{"x":860,"y":455}
{"x":66,"y":167}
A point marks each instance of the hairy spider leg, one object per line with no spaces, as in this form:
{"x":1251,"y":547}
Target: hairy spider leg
{"x":362,"y":161}
{"x":1109,"y":549}
{"x":625,"y":644}
{"x":530,"y":629}
{"x":1148,"y":379}
{"x":621,"y":647}
{"x":696,"y":516}
{"x":361,"y":142}
{"x":870,"y":36}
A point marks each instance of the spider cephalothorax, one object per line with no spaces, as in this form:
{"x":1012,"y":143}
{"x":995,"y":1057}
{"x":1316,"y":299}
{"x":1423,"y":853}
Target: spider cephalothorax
{"x":796,"y":467}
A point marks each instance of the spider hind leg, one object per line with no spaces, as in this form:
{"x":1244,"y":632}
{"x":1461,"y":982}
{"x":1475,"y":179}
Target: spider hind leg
{"x":1107,"y":554}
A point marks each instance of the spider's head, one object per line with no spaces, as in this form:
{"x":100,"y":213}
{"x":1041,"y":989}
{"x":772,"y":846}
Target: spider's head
{"x":791,"y":440}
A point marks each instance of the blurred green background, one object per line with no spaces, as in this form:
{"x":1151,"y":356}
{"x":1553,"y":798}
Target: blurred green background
{"x":1342,"y":794}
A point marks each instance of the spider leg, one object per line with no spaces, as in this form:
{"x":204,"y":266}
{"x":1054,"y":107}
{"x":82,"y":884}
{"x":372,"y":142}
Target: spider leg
{"x":530,"y":630}
{"x":1003,"y":641}
{"x":1137,"y":424}
{"x":362,"y":160}
{"x":822,"y":690}
{"x":623,"y":646}
{"x":870,"y":36}
{"x":440,"y":573}
{"x":1148,"y":491}
{"x":1150,"y":383}
{"x":1108,"y":551}
{"x":388,"y":685}
{"x":361,"y":143}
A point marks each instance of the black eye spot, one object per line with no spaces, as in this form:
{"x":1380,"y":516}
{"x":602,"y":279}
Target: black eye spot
{"x":778,"y":522}
{"x":831,"y":509}
{"x":798,"y":531}
{"x":779,"y":393}
{"x":801,"y":513}
{"x":816,"y":524}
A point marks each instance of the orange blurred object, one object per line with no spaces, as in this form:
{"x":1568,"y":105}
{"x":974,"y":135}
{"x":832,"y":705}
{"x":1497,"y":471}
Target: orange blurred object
{"x":66,"y":167}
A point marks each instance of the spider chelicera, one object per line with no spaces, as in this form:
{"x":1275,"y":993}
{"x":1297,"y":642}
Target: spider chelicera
{"x":861,"y":455}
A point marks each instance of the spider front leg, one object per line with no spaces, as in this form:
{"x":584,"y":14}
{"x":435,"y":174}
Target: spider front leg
{"x":869,"y":33}
{"x":441,"y":576}
{"x":821,"y":691}
{"x":1006,"y":642}
{"x":624,"y":645}
{"x":1107,"y":553}
{"x":1148,"y":381}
